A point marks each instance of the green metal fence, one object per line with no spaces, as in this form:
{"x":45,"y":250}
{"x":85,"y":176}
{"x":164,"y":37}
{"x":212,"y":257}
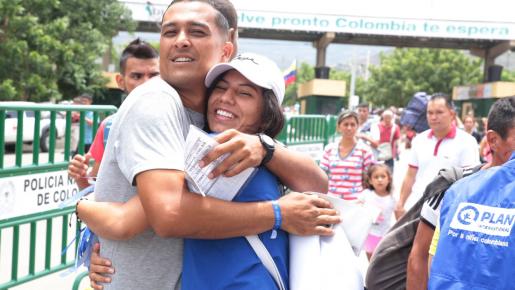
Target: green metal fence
{"x":31,"y":245}
{"x":53,"y":111}
{"x":306,"y":129}
{"x":19,"y":235}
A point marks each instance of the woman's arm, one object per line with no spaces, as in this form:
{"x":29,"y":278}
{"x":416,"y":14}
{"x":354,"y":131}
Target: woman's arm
{"x":115,"y":221}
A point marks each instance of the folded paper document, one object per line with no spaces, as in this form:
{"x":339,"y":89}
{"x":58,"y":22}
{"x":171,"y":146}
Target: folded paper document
{"x":198,"y":144}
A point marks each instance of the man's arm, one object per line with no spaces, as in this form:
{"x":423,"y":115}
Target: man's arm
{"x":417,"y":272}
{"x":373,"y":143}
{"x":246,"y":151}
{"x":111,"y":220}
{"x":172,"y":211}
{"x":407,"y":185}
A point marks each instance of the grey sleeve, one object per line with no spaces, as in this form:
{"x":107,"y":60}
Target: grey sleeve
{"x":151,"y":136}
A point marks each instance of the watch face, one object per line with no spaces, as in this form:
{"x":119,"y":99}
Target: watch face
{"x":267,"y":140}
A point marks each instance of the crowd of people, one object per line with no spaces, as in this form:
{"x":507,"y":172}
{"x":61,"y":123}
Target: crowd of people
{"x":156,"y":233}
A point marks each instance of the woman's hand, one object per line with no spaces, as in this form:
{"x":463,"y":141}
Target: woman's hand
{"x":245,"y":151}
{"x":100,"y":269}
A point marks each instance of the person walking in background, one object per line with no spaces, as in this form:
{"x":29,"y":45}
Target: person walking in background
{"x":363,"y":116}
{"x":469,"y":125}
{"x":347,"y":160}
{"x":385,"y":137}
{"x":485,"y":153}
{"x":378,"y":192}
{"x":441,"y":146}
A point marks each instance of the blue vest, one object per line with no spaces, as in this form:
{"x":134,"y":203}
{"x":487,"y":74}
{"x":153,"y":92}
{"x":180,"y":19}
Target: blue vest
{"x":231,"y":264}
{"x":476,"y":249}
{"x":88,"y":130}
{"x":107,"y":128}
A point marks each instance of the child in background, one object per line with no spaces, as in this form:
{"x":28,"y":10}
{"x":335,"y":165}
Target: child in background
{"x":378,"y":193}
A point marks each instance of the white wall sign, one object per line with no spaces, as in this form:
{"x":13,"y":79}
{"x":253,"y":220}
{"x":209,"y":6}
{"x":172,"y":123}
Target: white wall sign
{"x":27,"y":194}
{"x":332,"y":22}
{"x":379,"y":26}
{"x":314,"y":150}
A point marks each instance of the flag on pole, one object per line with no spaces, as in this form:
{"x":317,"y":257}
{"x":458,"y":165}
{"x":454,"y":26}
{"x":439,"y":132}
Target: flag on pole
{"x":290,"y":74}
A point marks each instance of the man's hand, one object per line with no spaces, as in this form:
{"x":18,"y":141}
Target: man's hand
{"x":245,"y":151}
{"x":100,"y":269}
{"x":307,"y":214}
{"x":78,"y":166}
{"x":399,"y":210}
{"x":78,"y":170}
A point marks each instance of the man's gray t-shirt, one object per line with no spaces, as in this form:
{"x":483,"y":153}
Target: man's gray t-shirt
{"x":148,"y":132}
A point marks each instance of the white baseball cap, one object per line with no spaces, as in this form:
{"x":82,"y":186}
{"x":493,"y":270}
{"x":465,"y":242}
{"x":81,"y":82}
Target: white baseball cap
{"x":256,"y":68}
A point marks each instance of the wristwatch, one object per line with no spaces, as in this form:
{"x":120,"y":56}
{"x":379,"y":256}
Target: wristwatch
{"x":269,"y":145}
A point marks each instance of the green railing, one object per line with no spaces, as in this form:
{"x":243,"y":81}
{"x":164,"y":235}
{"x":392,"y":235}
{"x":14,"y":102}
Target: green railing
{"x":57,"y":231}
{"x":55,"y":127}
{"x":31,"y":245}
{"x":308,"y":129}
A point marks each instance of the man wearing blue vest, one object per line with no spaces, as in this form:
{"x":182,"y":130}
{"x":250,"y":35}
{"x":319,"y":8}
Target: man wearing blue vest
{"x":475,"y":249}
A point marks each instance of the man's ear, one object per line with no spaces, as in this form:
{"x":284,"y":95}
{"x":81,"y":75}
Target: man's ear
{"x":227,"y":51}
{"x":234,"y":39}
{"x":493,"y":139}
{"x":120,"y":81}
{"x":453,"y":114}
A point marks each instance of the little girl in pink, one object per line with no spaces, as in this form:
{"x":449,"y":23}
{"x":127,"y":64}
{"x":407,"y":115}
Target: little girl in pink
{"x":379,"y":194}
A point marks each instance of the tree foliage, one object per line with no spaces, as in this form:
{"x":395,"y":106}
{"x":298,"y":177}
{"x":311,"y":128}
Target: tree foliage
{"x":409,"y":70}
{"x":508,"y":76}
{"x":50,"y":48}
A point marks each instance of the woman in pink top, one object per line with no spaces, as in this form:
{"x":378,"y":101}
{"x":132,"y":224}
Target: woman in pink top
{"x":347,"y":160}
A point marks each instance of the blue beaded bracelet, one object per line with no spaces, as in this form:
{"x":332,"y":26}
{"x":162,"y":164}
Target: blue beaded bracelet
{"x":277,"y":217}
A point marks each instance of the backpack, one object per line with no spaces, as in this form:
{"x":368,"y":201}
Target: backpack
{"x":414,"y":115}
{"x":388,"y":265}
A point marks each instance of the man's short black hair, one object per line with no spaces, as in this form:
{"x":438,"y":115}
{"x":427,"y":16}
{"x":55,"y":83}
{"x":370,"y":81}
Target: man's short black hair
{"x":227,"y":18}
{"x":137,"y":49}
{"x":363,"y":105}
{"x":443,"y":96}
{"x":86,"y":96}
{"x":501,"y":117}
